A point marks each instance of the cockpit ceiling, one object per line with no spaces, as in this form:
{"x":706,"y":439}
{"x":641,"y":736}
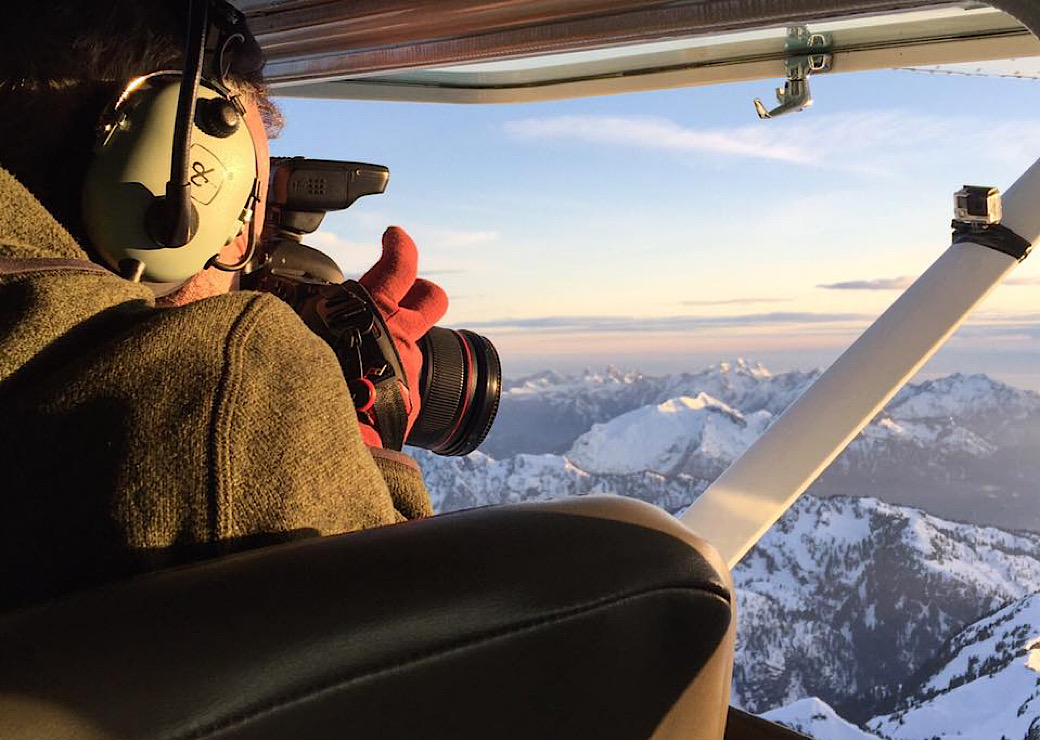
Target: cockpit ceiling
{"x":467,"y":51}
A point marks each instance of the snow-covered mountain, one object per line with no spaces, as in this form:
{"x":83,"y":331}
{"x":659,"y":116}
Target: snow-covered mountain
{"x":963,"y":447}
{"x":964,"y":397}
{"x":845,"y":598}
{"x":951,"y":446}
{"x":815,"y":718}
{"x":547,"y":412}
{"x":983,"y":683}
{"x":699,"y":436}
{"x":478,"y":480}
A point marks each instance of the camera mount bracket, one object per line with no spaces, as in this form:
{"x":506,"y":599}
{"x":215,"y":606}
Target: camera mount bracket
{"x":807,"y":53}
{"x":978,"y":212}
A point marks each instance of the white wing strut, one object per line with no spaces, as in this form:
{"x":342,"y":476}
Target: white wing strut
{"x":748,"y":498}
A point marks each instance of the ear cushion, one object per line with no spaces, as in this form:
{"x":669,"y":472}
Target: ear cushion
{"x":131,"y":167}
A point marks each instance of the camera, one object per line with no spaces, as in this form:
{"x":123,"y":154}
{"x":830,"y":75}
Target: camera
{"x":461,"y":378}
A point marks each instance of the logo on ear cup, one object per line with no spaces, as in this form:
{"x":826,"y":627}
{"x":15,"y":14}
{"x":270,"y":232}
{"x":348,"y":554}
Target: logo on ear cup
{"x":207,"y":174}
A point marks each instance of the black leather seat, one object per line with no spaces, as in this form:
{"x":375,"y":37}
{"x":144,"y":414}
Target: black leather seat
{"x":596,"y":617}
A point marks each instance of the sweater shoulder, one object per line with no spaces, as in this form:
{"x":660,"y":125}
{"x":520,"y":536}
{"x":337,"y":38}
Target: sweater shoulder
{"x":288,"y":454}
{"x":257,"y":329}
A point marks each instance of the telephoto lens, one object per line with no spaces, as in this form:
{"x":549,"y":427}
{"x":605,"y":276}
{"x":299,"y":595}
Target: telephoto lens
{"x":459,"y":390}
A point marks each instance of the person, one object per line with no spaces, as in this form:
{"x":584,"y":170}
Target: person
{"x":139,"y":433}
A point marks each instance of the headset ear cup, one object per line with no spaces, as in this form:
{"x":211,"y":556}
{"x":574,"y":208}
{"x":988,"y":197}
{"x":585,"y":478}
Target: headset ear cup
{"x":130,"y":170}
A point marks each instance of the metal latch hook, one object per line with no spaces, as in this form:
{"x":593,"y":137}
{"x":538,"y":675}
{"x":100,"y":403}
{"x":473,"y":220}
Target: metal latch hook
{"x":807,"y":54}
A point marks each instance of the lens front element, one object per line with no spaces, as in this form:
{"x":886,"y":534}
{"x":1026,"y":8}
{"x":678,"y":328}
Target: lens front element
{"x":459,"y":387}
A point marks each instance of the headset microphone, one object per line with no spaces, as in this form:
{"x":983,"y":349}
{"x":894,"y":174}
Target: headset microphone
{"x":174,"y":176}
{"x":172,"y":220}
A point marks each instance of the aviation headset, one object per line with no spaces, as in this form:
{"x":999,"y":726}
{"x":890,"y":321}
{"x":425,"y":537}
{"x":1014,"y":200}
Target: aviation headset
{"x":174,"y":176}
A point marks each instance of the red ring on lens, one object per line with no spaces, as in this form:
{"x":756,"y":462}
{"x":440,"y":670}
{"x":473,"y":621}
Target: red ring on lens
{"x":468,"y":393}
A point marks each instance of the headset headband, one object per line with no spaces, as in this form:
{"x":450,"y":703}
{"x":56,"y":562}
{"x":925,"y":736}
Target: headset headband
{"x":172,"y":219}
{"x":238,"y":51}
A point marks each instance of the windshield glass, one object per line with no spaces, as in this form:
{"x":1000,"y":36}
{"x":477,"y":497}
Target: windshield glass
{"x":663,"y":273}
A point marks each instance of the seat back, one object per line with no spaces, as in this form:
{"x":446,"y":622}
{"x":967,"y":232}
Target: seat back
{"x":595,"y":617}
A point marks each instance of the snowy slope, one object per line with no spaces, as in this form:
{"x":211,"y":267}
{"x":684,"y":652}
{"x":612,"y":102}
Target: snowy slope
{"x":748,"y":386}
{"x":866,"y":592}
{"x":576,"y":402}
{"x":547,"y":412}
{"x":952,"y":446}
{"x":816,"y":719}
{"x":986,"y":683}
{"x":962,"y":396}
{"x":479,"y":480}
{"x":938,"y":439}
{"x":694,"y":435}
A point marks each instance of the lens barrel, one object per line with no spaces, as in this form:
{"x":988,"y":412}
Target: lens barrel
{"x":459,"y":389}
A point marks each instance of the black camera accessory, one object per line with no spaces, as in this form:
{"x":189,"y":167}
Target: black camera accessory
{"x":174,"y":176}
{"x":300,"y":193}
{"x":347,"y":318}
{"x":299,"y":184}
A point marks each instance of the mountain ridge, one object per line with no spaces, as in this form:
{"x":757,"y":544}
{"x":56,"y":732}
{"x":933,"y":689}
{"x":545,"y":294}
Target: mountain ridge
{"x":951,"y":445}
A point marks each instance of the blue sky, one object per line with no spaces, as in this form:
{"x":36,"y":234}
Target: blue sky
{"x":667,"y":230}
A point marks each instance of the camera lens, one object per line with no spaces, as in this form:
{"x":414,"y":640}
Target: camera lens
{"x":459,"y":389}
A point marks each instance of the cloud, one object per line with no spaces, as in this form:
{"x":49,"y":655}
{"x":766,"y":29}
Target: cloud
{"x":426,"y":237}
{"x":613,"y":324}
{"x":1006,"y":318}
{"x":355,"y":255}
{"x":656,"y":133}
{"x":874,"y":143}
{"x":734,"y":301}
{"x":454,"y":239}
{"x":904,"y":282}
{"x":326,"y":240}
{"x":897,"y":283}
{"x":1001,"y":332}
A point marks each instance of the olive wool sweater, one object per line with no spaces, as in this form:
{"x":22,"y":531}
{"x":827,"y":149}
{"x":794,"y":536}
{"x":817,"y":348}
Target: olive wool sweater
{"x":134,"y":437}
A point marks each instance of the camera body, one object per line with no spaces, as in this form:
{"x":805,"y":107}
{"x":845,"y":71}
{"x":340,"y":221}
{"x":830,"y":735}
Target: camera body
{"x":461,"y":377}
{"x":300,"y":193}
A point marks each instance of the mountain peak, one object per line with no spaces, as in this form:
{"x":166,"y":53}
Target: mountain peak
{"x":741,"y":366}
{"x":668,"y":437}
{"x":815,"y":718}
{"x":962,"y":394}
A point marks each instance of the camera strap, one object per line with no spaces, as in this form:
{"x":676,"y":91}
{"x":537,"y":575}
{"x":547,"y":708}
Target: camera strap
{"x":25,"y":265}
{"x":390,"y":417}
{"x":347,"y":318}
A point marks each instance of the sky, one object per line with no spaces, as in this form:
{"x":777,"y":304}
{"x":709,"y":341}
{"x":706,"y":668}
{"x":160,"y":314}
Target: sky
{"x":665,"y":231}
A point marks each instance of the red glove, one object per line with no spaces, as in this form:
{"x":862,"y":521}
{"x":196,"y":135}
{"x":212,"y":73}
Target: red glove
{"x":410,"y":306}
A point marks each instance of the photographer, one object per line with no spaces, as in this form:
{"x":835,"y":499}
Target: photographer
{"x":138,"y":433}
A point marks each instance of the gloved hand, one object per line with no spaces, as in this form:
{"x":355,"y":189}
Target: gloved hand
{"x":410,"y":306}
